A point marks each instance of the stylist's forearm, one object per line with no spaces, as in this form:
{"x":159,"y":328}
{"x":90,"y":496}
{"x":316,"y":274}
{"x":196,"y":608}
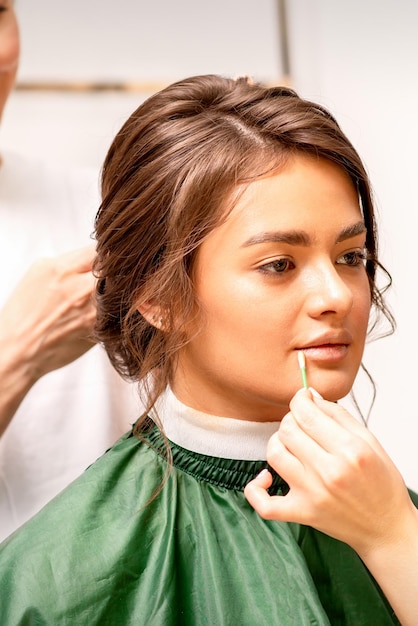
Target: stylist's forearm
{"x":15,"y":380}
{"x":394,"y":565}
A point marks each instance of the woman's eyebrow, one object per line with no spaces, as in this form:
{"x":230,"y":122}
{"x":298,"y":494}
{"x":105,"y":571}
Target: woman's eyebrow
{"x":351,"y":231}
{"x":301,"y":237}
{"x":292,"y":237}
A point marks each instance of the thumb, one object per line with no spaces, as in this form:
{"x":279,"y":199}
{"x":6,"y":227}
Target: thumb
{"x":256,"y":490}
{"x":269,"y":507}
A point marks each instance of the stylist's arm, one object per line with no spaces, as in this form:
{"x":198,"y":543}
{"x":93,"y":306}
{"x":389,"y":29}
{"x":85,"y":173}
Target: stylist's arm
{"x":45,"y":324}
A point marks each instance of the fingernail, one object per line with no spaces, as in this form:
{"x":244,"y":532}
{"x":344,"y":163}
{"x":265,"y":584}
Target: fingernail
{"x":262,"y":473}
{"x":315,"y":393}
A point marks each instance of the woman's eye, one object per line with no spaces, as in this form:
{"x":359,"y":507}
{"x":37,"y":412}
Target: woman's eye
{"x":353,"y":258}
{"x":278,"y":266}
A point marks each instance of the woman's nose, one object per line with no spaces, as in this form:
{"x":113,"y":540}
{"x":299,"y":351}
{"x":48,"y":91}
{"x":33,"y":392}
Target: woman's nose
{"x":328,"y":292}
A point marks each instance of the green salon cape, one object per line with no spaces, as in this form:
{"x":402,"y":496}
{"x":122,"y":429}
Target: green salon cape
{"x":197,"y":555}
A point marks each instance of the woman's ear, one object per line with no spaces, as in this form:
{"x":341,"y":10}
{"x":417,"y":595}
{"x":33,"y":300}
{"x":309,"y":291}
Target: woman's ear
{"x":152,"y":313}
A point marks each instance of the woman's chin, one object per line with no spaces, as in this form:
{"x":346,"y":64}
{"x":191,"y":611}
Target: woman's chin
{"x":332,"y":391}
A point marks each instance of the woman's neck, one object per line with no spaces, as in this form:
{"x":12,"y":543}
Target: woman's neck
{"x":210,"y":434}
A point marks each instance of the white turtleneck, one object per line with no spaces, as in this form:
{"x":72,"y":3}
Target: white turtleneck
{"x":212,"y":435}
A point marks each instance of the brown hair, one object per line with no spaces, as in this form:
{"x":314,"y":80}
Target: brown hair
{"x":167,"y":181}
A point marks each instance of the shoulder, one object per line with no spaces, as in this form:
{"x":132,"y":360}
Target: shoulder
{"x":78,"y":537}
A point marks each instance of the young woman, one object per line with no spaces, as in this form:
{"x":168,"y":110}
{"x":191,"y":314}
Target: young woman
{"x":236,"y":231}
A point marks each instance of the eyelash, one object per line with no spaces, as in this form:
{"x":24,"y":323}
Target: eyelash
{"x":268,"y":267}
{"x":357,"y":257}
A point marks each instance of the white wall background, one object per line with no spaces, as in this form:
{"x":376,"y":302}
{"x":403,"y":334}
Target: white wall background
{"x":134,"y":41}
{"x":358,"y":57}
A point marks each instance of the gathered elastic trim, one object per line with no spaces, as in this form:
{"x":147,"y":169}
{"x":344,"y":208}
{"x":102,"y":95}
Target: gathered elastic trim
{"x":228,"y":473}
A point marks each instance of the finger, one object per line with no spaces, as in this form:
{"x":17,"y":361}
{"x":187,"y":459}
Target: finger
{"x":283,"y":461}
{"x":70,"y":301}
{"x":307,"y":450}
{"x":263,"y":480}
{"x":79,"y":260}
{"x":336,"y":411}
{"x":71,"y":284}
{"x":82,"y":287}
{"x":327,"y":423}
{"x":332,"y":436}
{"x":340,"y":435}
{"x":277,"y":508}
{"x":339,"y":414}
{"x":256,"y":490}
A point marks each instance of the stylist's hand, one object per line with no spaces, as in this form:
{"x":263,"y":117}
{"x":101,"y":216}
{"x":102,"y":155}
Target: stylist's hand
{"x":50,"y":315}
{"x":45,"y":324}
{"x":341,"y":480}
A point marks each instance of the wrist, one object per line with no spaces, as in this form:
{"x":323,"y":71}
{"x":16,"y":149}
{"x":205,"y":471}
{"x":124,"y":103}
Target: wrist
{"x":16,"y":379}
{"x":394,"y":565}
{"x":402,"y":533}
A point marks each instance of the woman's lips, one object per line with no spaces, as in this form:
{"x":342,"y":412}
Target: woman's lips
{"x":328,"y":352}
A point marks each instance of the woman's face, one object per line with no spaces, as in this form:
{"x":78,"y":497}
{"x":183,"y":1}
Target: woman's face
{"x":9,"y":50}
{"x":284,"y":272}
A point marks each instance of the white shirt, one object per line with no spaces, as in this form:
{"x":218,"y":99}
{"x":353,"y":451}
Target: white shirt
{"x":72,"y":415}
